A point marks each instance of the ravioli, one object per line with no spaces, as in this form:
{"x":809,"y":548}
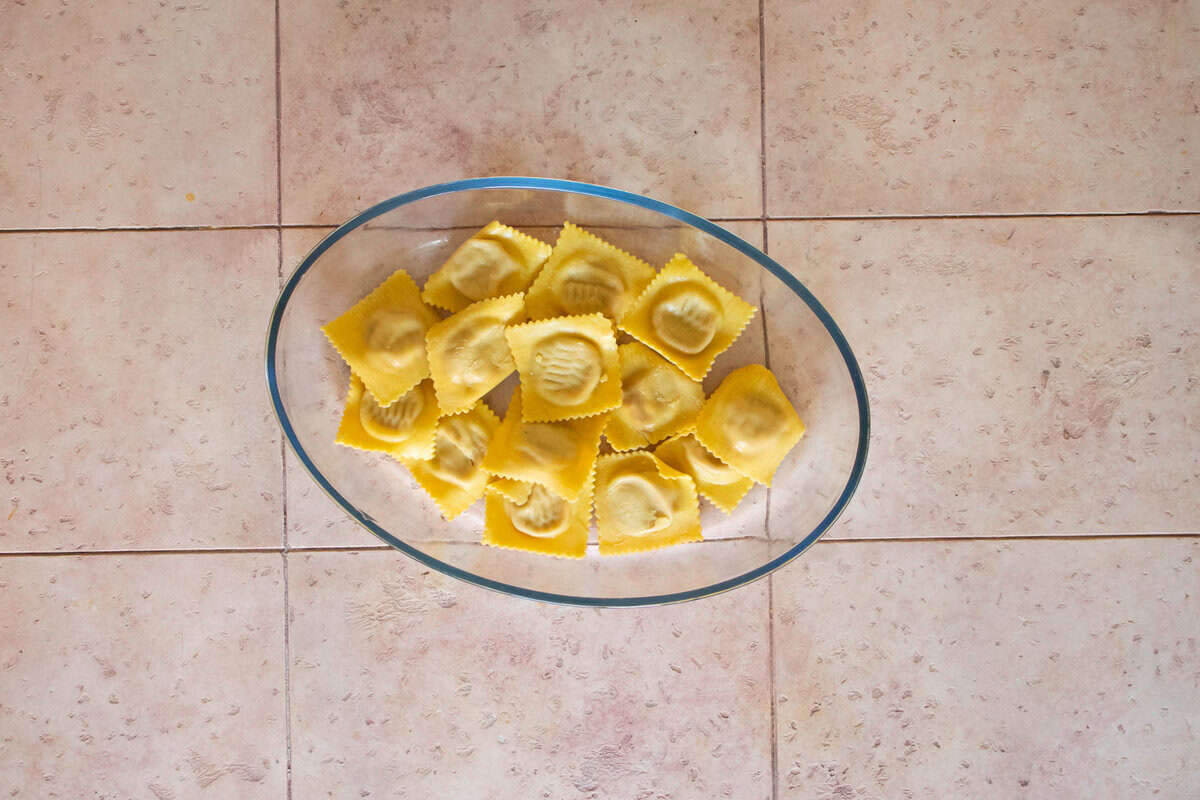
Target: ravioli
{"x":658,"y":399}
{"x":405,"y":429}
{"x":497,"y":260}
{"x":586,"y":275}
{"x":723,"y":485}
{"x":528,"y":516}
{"x":749,"y":424}
{"x":558,"y":455}
{"x":643,"y":504}
{"x":687,"y":316}
{"x":468,"y":354}
{"x":569,"y":367}
{"x":454,"y":477}
{"x":382,"y":338}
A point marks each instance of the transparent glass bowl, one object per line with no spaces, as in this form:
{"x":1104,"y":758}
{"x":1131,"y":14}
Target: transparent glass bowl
{"x":792,"y":334}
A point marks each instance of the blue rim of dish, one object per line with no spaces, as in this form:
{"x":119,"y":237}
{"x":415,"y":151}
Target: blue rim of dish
{"x":574,"y":187}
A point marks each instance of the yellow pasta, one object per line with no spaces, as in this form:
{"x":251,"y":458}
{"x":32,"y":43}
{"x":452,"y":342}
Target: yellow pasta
{"x":586,"y":275}
{"x":382,"y":338}
{"x":568,"y":366}
{"x":454,"y":477}
{"x":687,"y":316}
{"x":643,"y":504}
{"x":528,"y":516}
{"x":559,"y":455}
{"x":468,"y":354}
{"x":720,"y":483}
{"x":659,"y":400}
{"x":495,"y":261}
{"x":405,"y":429}
{"x":749,"y":424}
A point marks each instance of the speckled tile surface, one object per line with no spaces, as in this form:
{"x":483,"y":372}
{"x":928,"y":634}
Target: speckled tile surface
{"x":136,"y":416}
{"x":1026,"y":376}
{"x":405,"y":682}
{"x":1033,"y":381}
{"x":379,"y":100}
{"x":1031,"y":669}
{"x":142,"y":676}
{"x":895,"y":108}
{"x":119,"y":113}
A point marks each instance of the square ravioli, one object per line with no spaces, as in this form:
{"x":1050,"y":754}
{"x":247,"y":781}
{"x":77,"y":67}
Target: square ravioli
{"x":687,"y":316}
{"x":659,"y":400}
{"x":723,"y":485}
{"x":405,"y":429}
{"x":587,"y":275}
{"x":749,"y":424}
{"x":568,"y":366}
{"x":527,"y":516}
{"x":643,"y":504}
{"x":454,"y":477}
{"x":382,"y":338}
{"x":497,"y":260}
{"x":468,"y":354}
{"x":559,"y":455}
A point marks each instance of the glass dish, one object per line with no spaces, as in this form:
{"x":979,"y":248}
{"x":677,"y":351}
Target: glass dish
{"x":792,"y":334}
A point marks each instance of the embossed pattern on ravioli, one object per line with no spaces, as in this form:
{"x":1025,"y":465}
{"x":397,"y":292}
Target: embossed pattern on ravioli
{"x":559,"y":455}
{"x":454,"y":477}
{"x":643,"y":504}
{"x":468,"y":353}
{"x":405,"y":429}
{"x":658,"y":399}
{"x":382,"y":337}
{"x":687,"y":317}
{"x":569,"y":366}
{"x":495,"y":261}
{"x":749,"y":424}
{"x":720,"y":483}
{"x":587,"y":275}
{"x":528,"y":516}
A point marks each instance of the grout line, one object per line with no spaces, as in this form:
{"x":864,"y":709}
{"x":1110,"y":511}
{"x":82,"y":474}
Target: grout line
{"x":982,"y":216}
{"x":287,"y":675}
{"x":762,"y":306}
{"x":350,"y":548}
{"x":268,"y":226}
{"x":287,"y":640}
{"x":762,"y":118}
{"x":824,"y":540}
{"x":1018,"y":537}
{"x":278,"y":127}
{"x":771,"y":684}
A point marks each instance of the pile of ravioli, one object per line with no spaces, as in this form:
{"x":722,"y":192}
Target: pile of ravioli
{"x":604,"y":347}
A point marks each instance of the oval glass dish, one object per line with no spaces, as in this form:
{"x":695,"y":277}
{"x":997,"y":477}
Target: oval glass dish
{"x":792,"y":334}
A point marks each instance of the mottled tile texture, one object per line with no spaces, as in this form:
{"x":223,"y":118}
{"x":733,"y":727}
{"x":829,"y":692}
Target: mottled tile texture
{"x":134,"y":410}
{"x":408,"y":683}
{"x":122,"y":113}
{"x":981,"y":107}
{"x":1026,"y":376}
{"x":1033,"y":669}
{"x":650,"y":97}
{"x":142,"y":676}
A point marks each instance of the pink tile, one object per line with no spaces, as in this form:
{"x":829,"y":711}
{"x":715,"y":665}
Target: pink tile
{"x":119,"y":113}
{"x":136,"y":416}
{"x":649,"y":97}
{"x":405,"y":681}
{"x":142,"y":676}
{"x":1032,"y":669}
{"x":1026,"y":376}
{"x":981,"y":107}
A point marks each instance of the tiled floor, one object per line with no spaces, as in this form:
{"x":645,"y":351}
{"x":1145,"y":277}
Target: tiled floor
{"x":1007,"y":609}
